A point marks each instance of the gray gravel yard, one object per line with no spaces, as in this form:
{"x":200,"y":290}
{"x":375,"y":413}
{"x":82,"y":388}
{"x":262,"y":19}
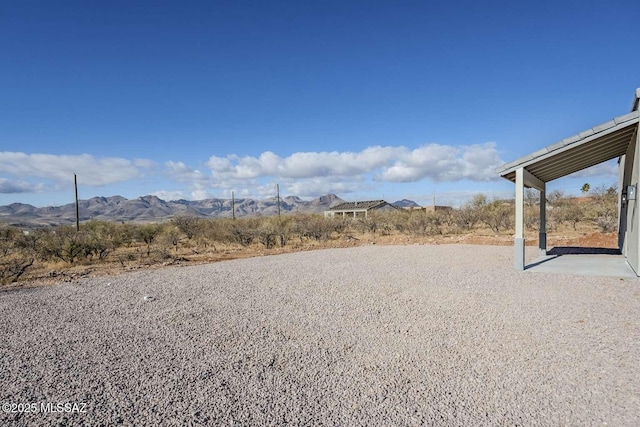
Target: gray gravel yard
{"x":442,"y":335}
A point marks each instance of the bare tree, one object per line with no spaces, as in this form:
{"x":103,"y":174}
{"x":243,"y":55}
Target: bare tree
{"x":531,"y":197}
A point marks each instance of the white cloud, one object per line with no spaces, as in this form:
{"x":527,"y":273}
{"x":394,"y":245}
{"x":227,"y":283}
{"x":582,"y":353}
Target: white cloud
{"x":309,"y":174}
{"x":8,"y":186}
{"x":200,"y":194}
{"x":303,"y":173}
{"x":196,"y":194}
{"x":319,"y":186}
{"x":183,"y":173}
{"x":395,"y":164}
{"x":61,"y":168}
{"x":303,"y":164}
{"x":169,"y":195}
{"x":198,"y":182}
{"x":441,"y":163}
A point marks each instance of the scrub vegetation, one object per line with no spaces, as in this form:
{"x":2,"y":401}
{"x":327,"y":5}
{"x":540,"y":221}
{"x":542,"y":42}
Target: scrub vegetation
{"x":108,"y":247}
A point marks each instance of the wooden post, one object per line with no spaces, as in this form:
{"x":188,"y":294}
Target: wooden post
{"x":75,"y":181}
{"x":233,"y":205}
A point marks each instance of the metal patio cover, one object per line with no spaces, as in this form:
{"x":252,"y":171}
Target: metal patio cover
{"x":588,"y":148}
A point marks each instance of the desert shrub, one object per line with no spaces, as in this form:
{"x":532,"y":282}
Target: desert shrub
{"x":8,"y":237}
{"x":127,"y":234}
{"x":605,"y":195}
{"x":244,"y":230}
{"x":469,"y":214}
{"x":14,"y":266}
{"x":30,"y":241}
{"x":532,"y":217}
{"x":398,"y":220}
{"x":41,"y":243}
{"x":466,"y":217}
{"x":447,"y":217}
{"x":572,"y":212}
{"x":214,"y":231}
{"x":99,"y":238}
{"x":556,"y":207}
{"x":424,"y":224}
{"x":170,"y":237}
{"x":147,"y":233}
{"x":498,"y":215}
{"x":531,"y":197}
{"x":68,"y":245}
{"x":285,"y":229}
{"x":191,"y":226}
{"x":556,"y":197}
{"x":267,"y":233}
{"x":604,"y":209}
{"x":607,"y":223}
{"x":52,"y":245}
{"x":14,"y":259}
{"x":316,"y":227}
{"x":479,"y":201}
{"x":386,"y":221}
{"x":367,"y":224}
{"x":341,"y":225}
{"x":93,"y":247}
{"x":555,"y":214}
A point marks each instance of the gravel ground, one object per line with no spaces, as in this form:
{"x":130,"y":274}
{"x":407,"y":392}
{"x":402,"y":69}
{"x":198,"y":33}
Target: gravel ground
{"x":387,"y":336}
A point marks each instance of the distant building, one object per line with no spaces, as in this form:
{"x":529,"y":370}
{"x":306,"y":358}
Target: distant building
{"x":358,"y":209}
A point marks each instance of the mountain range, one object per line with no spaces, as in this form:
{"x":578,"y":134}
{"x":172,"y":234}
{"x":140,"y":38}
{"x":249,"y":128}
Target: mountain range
{"x":152,"y":208}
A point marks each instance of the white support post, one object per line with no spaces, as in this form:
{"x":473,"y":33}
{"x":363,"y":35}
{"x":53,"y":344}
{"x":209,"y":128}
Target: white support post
{"x":519,"y":238}
{"x":542,"y":240}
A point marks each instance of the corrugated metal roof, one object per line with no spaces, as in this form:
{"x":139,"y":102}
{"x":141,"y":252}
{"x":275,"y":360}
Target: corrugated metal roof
{"x":588,"y":148}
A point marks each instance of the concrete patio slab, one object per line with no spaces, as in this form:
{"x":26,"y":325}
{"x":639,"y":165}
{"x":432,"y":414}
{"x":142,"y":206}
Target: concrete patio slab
{"x":583,"y":265}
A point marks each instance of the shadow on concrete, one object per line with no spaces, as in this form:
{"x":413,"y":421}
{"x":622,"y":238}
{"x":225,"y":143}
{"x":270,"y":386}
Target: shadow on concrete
{"x":540,"y":261}
{"x":575,"y":250}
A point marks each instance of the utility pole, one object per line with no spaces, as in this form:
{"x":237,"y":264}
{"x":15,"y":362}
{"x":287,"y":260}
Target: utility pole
{"x":75,"y":181}
{"x":434,"y":200}
{"x":233,"y":205}
{"x":278,"y":190}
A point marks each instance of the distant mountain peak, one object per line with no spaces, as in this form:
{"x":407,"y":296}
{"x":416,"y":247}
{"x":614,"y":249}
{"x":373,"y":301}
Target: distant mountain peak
{"x":406,"y":203}
{"x":329,"y":199}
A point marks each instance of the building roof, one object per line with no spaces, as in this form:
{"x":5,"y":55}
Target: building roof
{"x":368,"y":204}
{"x":588,"y":148}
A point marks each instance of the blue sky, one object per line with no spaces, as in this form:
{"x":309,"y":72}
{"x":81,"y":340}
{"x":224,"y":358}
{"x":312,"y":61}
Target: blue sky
{"x":365,"y":99}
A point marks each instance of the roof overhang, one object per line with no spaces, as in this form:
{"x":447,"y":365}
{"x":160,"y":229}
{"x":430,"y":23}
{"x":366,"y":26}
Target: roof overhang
{"x":588,"y":148}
